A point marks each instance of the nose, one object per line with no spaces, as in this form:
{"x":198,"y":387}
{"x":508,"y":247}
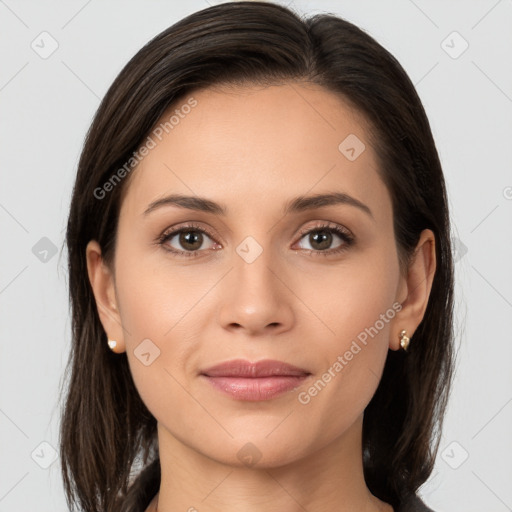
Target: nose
{"x":256,"y":297}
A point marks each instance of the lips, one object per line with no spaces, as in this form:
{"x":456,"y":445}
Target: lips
{"x":263,"y":380}
{"x":259,"y":369}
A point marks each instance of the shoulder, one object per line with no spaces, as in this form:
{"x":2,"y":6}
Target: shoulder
{"x":413,"y":504}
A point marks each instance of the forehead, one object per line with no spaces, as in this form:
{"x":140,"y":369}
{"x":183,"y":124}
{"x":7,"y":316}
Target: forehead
{"x":242,"y":144}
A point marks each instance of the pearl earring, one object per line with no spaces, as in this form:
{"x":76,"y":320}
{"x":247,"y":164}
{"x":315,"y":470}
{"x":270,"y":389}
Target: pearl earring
{"x":112,"y":344}
{"x":404,"y":340}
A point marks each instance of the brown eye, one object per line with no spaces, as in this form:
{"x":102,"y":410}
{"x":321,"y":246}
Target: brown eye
{"x":191,"y":240}
{"x":186,"y":241}
{"x":321,"y":238}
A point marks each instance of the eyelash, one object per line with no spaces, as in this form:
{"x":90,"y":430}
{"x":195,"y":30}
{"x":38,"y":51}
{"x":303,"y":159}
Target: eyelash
{"x":333,"y":228}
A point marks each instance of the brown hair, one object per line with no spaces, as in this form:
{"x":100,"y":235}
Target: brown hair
{"x":108,"y":437}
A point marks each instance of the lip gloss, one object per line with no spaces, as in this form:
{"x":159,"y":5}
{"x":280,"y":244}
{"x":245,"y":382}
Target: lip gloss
{"x":256,"y":388}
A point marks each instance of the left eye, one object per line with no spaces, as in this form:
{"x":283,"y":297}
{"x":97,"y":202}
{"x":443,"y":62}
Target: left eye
{"x":321,"y":238}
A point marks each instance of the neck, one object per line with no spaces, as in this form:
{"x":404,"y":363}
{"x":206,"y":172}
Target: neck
{"x":328,"y":479}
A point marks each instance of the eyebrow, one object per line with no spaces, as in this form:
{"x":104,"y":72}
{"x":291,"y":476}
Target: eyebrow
{"x":295,"y":205}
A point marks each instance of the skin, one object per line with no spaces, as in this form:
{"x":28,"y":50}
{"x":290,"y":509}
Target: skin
{"x":253,"y":149}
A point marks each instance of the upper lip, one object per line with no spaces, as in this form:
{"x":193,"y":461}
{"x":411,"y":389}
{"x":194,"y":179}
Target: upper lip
{"x":243,"y":368}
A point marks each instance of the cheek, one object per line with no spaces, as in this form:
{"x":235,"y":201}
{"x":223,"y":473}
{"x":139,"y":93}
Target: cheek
{"x":353,"y":360}
{"x":355,"y":297}
{"x":154,"y":294}
{"x":149,"y":309}
{"x":357,"y":305}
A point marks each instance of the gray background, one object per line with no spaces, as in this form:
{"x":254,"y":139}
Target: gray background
{"x":46,"y":106}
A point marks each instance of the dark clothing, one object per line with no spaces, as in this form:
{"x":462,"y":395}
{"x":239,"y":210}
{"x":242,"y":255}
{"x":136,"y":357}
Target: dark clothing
{"x":413,"y":504}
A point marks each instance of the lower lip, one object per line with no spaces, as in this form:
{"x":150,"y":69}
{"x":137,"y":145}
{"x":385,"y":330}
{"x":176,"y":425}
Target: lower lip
{"x":257,"y":388}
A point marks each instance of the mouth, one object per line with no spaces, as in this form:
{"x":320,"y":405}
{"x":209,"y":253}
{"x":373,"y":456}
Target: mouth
{"x":258,"y":381}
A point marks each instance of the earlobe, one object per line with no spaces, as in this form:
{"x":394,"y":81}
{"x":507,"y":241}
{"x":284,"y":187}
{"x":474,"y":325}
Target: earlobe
{"x":102,"y":284}
{"x":418,"y":284}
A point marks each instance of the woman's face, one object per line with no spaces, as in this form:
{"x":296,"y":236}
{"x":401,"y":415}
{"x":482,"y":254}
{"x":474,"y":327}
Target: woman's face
{"x":256,"y":286}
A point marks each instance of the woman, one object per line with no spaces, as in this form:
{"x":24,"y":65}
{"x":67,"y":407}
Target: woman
{"x":260,"y":275}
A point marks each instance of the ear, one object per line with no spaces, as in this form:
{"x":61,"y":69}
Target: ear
{"x":414,"y":289}
{"x":103,"y":286}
